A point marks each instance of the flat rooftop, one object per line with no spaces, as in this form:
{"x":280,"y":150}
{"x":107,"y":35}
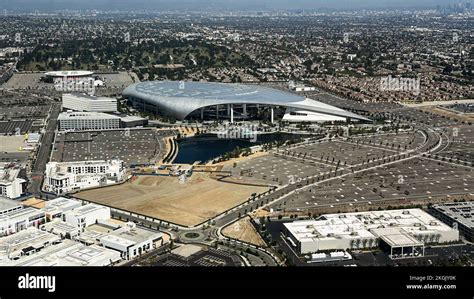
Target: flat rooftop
{"x":31,"y":238}
{"x":361,"y":224}
{"x":128,"y":236}
{"x":462,"y":212}
{"x":89,"y":97}
{"x":59,"y":227}
{"x":21,"y":213}
{"x":69,"y":253}
{"x":62,"y":203}
{"x":8,"y":204}
{"x":85,"y":116}
{"x":396,"y":237}
{"x":86,"y":209}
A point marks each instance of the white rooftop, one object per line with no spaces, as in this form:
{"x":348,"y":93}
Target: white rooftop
{"x":86,"y":209}
{"x":129,"y":236}
{"x":8,"y":204}
{"x":86,"y":116}
{"x":70,"y":253}
{"x":33,"y":238}
{"x":361,"y":224}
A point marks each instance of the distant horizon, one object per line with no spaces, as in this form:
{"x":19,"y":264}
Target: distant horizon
{"x":218,"y":5}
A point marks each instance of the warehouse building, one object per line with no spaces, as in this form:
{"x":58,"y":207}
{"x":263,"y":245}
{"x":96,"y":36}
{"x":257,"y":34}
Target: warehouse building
{"x":66,"y":177}
{"x":459,"y":215}
{"x":81,"y":121}
{"x":87,"y":103}
{"x":403,"y":232}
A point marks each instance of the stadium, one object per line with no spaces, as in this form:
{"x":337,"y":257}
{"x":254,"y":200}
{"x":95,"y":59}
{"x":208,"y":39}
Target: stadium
{"x":234,"y":102}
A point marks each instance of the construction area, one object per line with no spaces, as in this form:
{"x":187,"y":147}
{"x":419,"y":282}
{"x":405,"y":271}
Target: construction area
{"x":184,"y":202}
{"x":244,"y":231}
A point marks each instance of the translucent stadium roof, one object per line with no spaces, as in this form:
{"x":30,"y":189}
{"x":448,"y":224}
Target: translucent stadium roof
{"x":222,"y":91}
{"x":179,"y":99}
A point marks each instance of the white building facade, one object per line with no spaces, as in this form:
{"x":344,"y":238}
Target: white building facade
{"x":366,"y":229}
{"x":87,"y":103}
{"x":82,"y":121}
{"x":20,"y":219}
{"x":131,"y":241}
{"x":86,"y":215}
{"x":66,"y":177}
{"x":11,"y":186}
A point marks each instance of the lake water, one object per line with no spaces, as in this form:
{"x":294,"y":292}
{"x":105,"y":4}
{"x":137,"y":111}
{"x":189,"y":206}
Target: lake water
{"x":205,"y":148}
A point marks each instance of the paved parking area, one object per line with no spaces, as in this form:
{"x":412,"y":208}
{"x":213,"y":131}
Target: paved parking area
{"x":278,"y":170}
{"x":134,"y":147}
{"x":462,"y":143}
{"x":416,"y":178}
{"x":7,"y":113}
{"x":206,"y":258}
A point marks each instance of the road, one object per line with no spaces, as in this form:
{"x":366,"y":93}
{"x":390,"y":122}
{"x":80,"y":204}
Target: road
{"x":44,"y":151}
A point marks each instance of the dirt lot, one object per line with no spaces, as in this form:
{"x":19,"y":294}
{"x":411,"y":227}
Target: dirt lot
{"x":11,"y":144}
{"x":193,"y":202}
{"x":243,"y":230}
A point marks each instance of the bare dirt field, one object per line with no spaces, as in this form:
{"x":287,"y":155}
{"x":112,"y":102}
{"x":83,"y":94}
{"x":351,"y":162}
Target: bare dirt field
{"x":12,"y":144}
{"x":193,"y":202}
{"x":243,"y":230}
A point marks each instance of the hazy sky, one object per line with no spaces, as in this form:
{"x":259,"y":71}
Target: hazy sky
{"x":216,"y":4}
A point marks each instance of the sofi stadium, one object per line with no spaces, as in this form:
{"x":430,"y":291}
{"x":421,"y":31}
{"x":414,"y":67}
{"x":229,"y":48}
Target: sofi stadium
{"x":234,"y":102}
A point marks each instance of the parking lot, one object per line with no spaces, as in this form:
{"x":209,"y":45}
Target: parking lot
{"x":204,"y":258}
{"x":416,"y":178}
{"x":8,"y":113}
{"x":134,"y":147}
{"x":13,"y":127}
{"x":278,"y":170}
{"x":461,"y":145}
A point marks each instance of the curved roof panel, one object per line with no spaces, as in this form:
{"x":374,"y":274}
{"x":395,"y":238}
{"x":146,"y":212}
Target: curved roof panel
{"x":69,"y":73}
{"x":179,"y":99}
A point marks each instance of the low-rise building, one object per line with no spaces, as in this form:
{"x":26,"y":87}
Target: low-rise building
{"x":131,"y":241}
{"x":62,"y":229}
{"x":80,"y":121}
{"x":20,"y":219}
{"x":459,"y":215}
{"x":26,"y":242}
{"x":8,"y":205}
{"x":404,"y":231}
{"x":87,"y":103}
{"x":11,"y":186}
{"x":66,"y":177}
{"x":133,"y":121}
{"x":86,"y":215}
{"x":55,"y":208}
{"x":70,"y":254}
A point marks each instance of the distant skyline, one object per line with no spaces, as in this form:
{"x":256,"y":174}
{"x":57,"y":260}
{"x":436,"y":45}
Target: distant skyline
{"x":217,"y":5}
